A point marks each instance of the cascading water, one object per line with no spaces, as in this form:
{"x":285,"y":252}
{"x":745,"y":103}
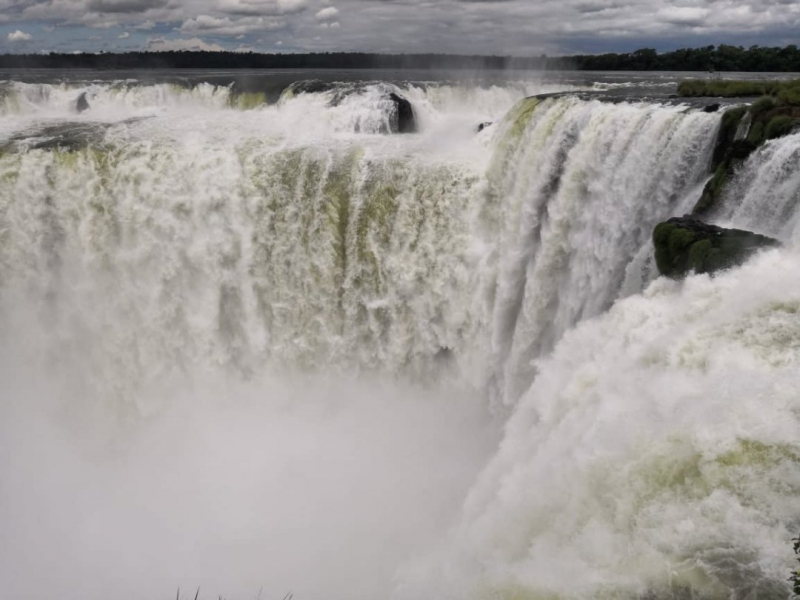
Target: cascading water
{"x":276,"y":333}
{"x":765,"y":195}
{"x":575,"y":189}
{"x":655,"y":456}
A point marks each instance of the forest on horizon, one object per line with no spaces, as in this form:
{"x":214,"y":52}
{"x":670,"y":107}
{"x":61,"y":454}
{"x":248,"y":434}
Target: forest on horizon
{"x":707,"y":58}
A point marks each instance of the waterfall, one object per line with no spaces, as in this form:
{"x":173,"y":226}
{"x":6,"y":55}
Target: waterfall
{"x":248,"y":336}
{"x":575,"y":189}
{"x":655,"y":456}
{"x":348,"y":254}
{"x":765,"y":192}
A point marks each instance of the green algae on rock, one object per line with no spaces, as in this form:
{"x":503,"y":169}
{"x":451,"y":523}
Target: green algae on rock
{"x":685,"y":245}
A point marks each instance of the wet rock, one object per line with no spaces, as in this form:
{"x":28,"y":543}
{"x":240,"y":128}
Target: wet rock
{"x":742,"y":131}
{"x":483,"y":126}
{"x":402,"y":119}
{"x":685,"y":245}
{"x":310,"y":86}
{"x":82,"y":103}
{"x":711,"y":108}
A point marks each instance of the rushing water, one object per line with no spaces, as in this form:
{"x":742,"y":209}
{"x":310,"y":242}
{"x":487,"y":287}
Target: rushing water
{"x":249,"y":340}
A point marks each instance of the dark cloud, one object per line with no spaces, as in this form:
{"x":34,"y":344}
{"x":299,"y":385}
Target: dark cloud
{"x":123,"y":6}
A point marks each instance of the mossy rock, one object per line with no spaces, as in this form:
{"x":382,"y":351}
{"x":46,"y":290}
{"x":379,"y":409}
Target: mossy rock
{"x":756,"y":134}
{"x":780,"y":126}
{"x":761,"y":106}
{"x":769,"y":119}
{"x":728,"y":127}
{"x":685,"y":245}
{"x":713,"y":190}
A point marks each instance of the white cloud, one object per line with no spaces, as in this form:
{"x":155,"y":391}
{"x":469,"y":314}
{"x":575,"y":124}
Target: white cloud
{"x":124,"y":35}
{"x":19,"y":36}
{"x":165,"y":45}
{"x":146,"y":26}
{"x":226,"y":26}
{"x":683,"y":15}
{"x":327,"y":14}
{"x":268,"y":8}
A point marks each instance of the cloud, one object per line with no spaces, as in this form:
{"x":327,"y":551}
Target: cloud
{"x":261,"y":7}
{"x":124,"y":35}
{"x":327,"y":14}
{"x":516,"y":27}
{"x":123,"y":6}
{"x":19,"y":37}
{"x":226,"y":26}
{"x":683,"y":15}
{"x":161,"y":44}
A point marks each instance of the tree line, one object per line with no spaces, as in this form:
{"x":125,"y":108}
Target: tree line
{"x":707,"y":58}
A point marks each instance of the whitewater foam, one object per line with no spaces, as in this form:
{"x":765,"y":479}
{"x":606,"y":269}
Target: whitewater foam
{"x":211,"y":310}
{"x":654,"y":456}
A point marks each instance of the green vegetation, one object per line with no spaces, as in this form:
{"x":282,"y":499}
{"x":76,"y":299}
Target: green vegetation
{"x":685,"y":245}
{"x":787,"y":92}
{"x":720,"y":58}
{"x":780,"y":126}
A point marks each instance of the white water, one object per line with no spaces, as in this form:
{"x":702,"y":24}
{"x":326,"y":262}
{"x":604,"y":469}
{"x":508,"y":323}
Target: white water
{"x":573,"y":199}
{"x":655,"y":456}
{"x":765,"y":194}
{"x":251,"y":348}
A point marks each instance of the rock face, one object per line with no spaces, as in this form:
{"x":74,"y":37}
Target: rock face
{"x":402,"y":119}
{"x":742,"y":131}
{"x":686,"y":245}
{"x":483,"y":126}
{"x":82,"y":104}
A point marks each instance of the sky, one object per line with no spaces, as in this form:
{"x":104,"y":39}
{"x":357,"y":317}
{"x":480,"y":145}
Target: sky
{"x":500,"y":27}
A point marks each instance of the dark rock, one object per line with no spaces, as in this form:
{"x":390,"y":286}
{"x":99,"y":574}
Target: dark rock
{"x":741,"y":149}
{"x":729,"y":126}
{"x":685,"y":245}
{"x":711,"y":108}
{"x":402,"y":119}
{"x":310,"y":86}
{"x":82,"y":104}
{"x":483,"y":126}
{"x":781,"y":125}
